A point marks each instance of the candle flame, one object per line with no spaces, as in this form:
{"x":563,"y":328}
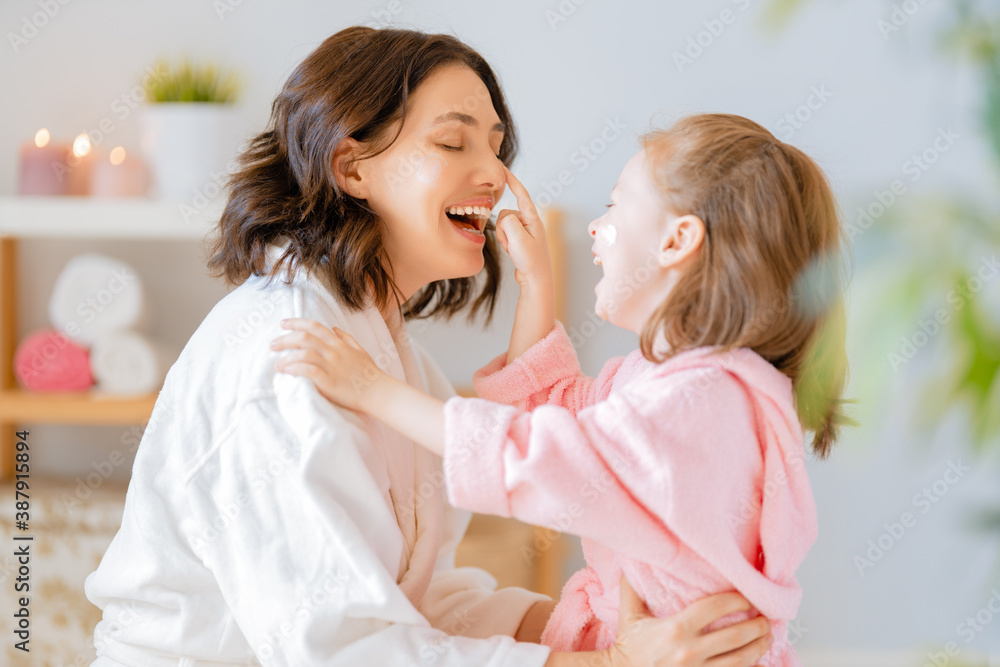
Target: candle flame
{"x":81,"y":145}
{"x":42,"y":138}
{"x":117,"y":155}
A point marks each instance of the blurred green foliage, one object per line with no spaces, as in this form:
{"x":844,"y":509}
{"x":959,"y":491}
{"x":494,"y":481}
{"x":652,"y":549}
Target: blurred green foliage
{"x":186,"y":82}
{"x":932,"y":255}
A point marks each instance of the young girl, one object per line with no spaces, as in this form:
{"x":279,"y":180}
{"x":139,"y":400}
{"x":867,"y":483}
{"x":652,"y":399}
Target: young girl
{"x":682,"y":465}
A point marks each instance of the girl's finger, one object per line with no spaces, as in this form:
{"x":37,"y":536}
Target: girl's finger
{"x":281,"y":343}
{"x":501,"y":215}
{"x":520,"y":193}
{"x":299,"y":340}
{"x":313,"y":327}
{"x":300,"y":369}
{"x":512,"y":226}
{"x":297,"y":355}
{"x":502,"y":238}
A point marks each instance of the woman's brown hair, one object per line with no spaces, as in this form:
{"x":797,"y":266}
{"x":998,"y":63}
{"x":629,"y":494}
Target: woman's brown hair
{"x":355,"y":84}
{"x":769,"y":275}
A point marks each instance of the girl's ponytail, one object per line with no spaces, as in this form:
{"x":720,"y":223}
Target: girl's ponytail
{"x":818,"y":295}
{"x":820,"y":383}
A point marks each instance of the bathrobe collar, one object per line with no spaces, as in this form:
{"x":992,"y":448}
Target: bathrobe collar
{"x":408,"y":465}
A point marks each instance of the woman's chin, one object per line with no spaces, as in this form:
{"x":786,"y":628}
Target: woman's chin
{"x":469,"y":267}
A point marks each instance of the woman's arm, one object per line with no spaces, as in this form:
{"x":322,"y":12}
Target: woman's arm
{"x":533,"y":623}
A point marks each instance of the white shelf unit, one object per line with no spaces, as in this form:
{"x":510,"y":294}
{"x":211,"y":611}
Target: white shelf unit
{"x":84,"y":218}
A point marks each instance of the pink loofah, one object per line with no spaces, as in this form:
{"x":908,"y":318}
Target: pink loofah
{"x":49,"y":361}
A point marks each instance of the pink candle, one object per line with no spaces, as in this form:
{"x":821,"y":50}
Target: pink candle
{"x":119,"y":175}
{"x":81,"y":165}
{"x":44,"y":167}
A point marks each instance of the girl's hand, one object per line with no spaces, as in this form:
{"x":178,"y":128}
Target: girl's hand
{"x":522,"y":234}
{"x":680,"y":641}
{"x":340,"y":368}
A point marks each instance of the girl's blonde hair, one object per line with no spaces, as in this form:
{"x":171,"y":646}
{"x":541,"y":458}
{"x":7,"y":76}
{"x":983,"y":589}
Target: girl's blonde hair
{"x":769,"y":276}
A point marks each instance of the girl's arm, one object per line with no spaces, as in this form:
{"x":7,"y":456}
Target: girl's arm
{"x":540,"y":365}
{"x":570,"y":457}
{"x":522,"y":235}
{"x":548,"y":373}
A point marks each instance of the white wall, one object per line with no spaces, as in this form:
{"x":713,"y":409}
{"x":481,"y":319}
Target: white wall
{"x":888,"y":97}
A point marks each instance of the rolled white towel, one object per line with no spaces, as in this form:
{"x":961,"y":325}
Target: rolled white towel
{"x":125,"y":362}
{"x":94,"y":294}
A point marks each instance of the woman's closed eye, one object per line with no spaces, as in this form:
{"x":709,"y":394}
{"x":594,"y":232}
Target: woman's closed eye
{"x":461,"y":148}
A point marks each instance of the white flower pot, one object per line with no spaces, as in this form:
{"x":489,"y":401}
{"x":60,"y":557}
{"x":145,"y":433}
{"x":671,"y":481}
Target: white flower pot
{"x":188,"y":147}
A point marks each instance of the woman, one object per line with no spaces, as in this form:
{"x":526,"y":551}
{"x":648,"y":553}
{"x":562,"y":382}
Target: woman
{"x":261,"y":523}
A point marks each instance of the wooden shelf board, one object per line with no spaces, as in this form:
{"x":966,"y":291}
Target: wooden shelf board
{"x":85,"y":407}
{"x":105,"y":217}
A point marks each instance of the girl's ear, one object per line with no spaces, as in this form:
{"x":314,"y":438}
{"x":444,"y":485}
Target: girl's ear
{"x":347,"y":168}
{"x":682,"y":238}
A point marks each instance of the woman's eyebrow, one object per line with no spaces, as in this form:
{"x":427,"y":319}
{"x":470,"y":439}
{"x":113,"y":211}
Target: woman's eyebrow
{"x":465,"y":119}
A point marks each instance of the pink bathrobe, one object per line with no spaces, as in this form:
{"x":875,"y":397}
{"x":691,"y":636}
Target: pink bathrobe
{"x":687,"y":476}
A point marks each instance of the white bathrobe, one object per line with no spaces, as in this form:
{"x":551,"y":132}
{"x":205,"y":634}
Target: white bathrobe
{"x":264,"y":524}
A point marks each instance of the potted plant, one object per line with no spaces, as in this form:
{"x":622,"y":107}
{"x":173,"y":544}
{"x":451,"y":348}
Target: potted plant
{"x":189,"y":128}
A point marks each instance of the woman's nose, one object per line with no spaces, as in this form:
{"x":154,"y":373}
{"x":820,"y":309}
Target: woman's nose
{"x":489,"y":173}
{"x":592,"y":228}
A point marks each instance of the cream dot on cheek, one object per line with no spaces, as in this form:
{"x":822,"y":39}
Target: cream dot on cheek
{"x":608,"y":235}
{"x":430,"y":168}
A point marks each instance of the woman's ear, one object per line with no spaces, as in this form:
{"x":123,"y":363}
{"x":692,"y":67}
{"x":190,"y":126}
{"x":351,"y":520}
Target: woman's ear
{"x":682,"y":238}
{"x":347,"y":170}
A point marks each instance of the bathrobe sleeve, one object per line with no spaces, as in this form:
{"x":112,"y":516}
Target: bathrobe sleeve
{"x":633,"y":472}
{"x":464,"y":600}
{"x":547,"y":373}
{"x":287,"y":514}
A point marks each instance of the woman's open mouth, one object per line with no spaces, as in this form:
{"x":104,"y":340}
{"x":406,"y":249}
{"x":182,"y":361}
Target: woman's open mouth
{"x":471,"y":219}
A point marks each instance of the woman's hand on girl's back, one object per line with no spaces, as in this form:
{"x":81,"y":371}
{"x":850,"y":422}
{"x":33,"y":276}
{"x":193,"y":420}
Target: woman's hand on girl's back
{"x":680,"y":640}
{"x":522,"y":234}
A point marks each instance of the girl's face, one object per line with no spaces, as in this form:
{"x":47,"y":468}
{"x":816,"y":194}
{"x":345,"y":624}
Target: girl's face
{"x":435,"y":185}
{"x":636,"y":244}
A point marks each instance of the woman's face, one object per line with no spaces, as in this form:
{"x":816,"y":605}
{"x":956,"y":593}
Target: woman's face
{"x":435,"y":185}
